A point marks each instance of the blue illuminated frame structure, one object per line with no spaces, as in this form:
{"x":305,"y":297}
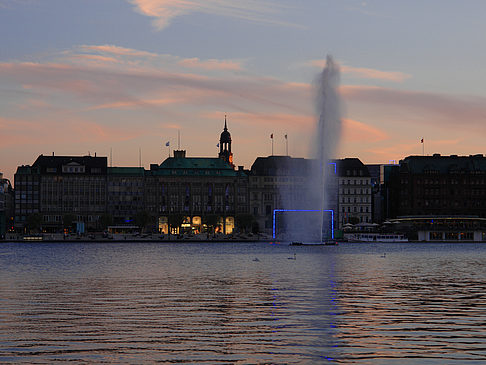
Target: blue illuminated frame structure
{"x":275,"y":211}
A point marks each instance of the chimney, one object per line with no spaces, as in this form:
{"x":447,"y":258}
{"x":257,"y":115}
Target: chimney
{"x":179,"y":153}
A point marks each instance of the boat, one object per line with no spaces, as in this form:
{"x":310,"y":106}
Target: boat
{"x":324,"y":243}
{"x":296,"y":243}
{"x":330,"y":243}
{"x":33,"y":237}
{"x":377,"y":237}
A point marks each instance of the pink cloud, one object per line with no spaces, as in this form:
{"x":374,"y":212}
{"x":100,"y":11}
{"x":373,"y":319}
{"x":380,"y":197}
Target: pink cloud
{"x":117,"y":50}
{"x":210,"y":64}
{"x":92,"y":57}
{"x":15,"y":132}
{"x":355,"y":131}
{"x":420,"y":107}
{"x":165,"y":10}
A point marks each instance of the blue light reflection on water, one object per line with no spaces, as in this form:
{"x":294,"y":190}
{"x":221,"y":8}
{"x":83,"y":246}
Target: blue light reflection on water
{"x":209,"y":303}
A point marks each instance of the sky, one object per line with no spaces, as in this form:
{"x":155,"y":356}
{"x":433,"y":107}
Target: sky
{"x":80,"y":77}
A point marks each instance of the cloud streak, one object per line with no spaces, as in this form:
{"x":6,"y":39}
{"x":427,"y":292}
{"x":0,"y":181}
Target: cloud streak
{"x":97,"y":99}
{"x":421,"y":107}
{"x":164,"y":11}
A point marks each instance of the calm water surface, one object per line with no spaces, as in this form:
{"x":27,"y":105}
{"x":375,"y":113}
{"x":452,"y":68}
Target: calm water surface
{"x":242,"y":303}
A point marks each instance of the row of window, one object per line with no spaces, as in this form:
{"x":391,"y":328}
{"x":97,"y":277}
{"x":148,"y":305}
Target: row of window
{"x":355,"y":191}
{"x":355,"y":209}
{"x":355,"y":182}
{"x":356,"y":200}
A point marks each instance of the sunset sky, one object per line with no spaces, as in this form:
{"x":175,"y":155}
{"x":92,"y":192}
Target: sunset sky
{"x":79,"y":77}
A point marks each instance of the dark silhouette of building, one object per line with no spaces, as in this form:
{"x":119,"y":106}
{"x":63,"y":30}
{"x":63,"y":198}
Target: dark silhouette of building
{"x":225,"y":145}
{"x":6,"y":206}
{"x":58,"y":189}
{"x":442,"y":185}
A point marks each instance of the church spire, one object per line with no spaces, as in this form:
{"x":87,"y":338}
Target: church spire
{"x":225,"y":144}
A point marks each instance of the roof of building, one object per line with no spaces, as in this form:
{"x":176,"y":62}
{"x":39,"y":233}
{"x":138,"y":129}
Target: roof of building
{"x":126,"y":171}
{"x":225,"y":135}
{"x":281,"y":166}
{"x":44,"y":162}
{"x":195,"y":166}
{"x":352,"y":167}
{"x":437,"y":164}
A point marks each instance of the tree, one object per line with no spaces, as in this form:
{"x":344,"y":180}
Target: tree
{"x":244,"y":221}
{"x":142,"y":219}
{"x":67,"y":220}
{"x":105,"y":221}
{"x":255,"y":227}
{"x":34,"y":222}
{"x":211,"y":220}
{"x":175,"y":221}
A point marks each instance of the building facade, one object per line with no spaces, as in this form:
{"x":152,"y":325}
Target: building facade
{"x":282,"y":183}
{"x":355,"y":193}
{"x":196,"y":193}
{"x":57,"y":191}
{"x":6,"y":206}
{"x":442,"y":185}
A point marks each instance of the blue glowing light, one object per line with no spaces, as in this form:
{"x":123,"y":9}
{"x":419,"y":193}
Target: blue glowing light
{"x":335,"y":168}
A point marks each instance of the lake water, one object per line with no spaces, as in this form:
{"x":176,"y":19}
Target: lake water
{"x":242,"y":303}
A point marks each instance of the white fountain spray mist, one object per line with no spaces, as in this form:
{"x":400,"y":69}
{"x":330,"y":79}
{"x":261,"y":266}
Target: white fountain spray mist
{"x":328,"y":133}
{"x":299,"y":224}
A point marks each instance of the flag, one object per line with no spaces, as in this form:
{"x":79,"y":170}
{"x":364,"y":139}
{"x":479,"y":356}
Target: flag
{"x":271,"y":136}
{"x":422,"y":140}
{"x":285,"y":136}
{"x":167,"y":144}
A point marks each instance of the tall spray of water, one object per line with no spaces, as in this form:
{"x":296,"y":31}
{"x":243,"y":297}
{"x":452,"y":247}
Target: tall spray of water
{"x":328,"y":133}
{"x":304,"y":219}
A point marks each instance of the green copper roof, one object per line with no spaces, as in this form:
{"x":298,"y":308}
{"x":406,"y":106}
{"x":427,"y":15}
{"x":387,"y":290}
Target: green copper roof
{"x":130,"y":171}
{"x":195,"y":166}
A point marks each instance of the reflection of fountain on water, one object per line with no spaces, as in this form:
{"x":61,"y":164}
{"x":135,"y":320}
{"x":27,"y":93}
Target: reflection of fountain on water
{"x":312,"y":226}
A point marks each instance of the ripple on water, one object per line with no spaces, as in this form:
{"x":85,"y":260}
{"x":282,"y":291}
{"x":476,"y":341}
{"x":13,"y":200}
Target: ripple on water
{"x":214,"y":304}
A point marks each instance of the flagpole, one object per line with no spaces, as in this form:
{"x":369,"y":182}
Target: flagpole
{"x":271,"y":137}
{"x":286,"y":145}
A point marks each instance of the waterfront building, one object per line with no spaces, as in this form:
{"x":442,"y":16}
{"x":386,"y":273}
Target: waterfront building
{"x":442,"y":186}
{"x":280,"y":182}
{"x":125,"y":191}
{"x":59,"y":191}
{"x":196,"y":193}
{"x":355,"y":193}
{"x":6,"y":206}
{"x":437,"y":228}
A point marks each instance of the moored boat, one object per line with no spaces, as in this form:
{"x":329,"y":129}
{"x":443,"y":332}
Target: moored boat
{"x":377,"y":237}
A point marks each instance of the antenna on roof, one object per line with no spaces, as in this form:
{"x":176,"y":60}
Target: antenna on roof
{"x":111,"y":157}
{"x":139,"y":157}
{"x":178,"y":139}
